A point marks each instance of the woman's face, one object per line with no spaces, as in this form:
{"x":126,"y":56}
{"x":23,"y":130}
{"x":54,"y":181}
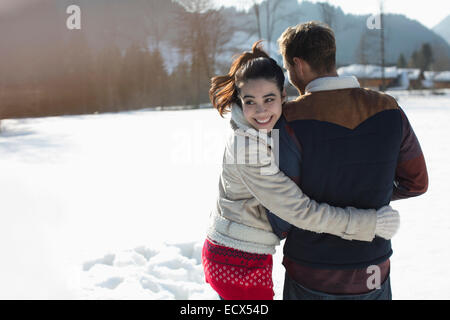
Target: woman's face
{"x":261,"y":102}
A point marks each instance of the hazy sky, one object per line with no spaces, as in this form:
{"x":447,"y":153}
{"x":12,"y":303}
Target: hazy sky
{"x":429,"y":12}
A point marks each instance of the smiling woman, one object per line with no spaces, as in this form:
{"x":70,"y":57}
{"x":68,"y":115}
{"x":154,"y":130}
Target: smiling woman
{"x":261,"y":103}
{"x":250,"y":65}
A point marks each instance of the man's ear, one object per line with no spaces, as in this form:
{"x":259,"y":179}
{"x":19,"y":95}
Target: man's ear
{"x":304,"y":68}
{"x":298,"y":65}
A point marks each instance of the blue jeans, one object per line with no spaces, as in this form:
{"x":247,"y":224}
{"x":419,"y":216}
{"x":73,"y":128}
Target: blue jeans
{"x":294,"y":291}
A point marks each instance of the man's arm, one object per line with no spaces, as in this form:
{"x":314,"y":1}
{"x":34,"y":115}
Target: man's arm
{"x":279,"y":194}
{"x":411,"y":176}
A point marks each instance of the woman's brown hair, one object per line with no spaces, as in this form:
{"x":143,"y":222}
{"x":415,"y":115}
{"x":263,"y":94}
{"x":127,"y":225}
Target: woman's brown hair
{"x":249,"y":65}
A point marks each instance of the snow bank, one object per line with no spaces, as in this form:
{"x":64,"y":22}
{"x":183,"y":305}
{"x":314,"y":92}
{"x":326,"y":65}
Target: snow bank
{"x":442,"y":76}
{"x":115,"y":206}
{"x":413,"y":74}
{"x":169,"y":271}
{"x":367,"y":71}
{"x":403,"y":74}
{"x":429,"y":75}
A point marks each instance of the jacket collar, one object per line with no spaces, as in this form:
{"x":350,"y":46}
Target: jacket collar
{"x":238,"y":120}
{"x":332,"y":83}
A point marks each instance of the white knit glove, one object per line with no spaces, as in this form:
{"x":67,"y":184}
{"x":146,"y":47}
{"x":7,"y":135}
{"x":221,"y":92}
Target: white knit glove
{"x":388,"y":222}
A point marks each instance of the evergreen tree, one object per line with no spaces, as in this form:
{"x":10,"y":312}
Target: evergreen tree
{"x":401,"y":62}
{"x":78,"y":77}
{"x":427,"y":56}
{"x":181,"y":84}
{"x":159,"y":81}
{"x":414,"y":61}
{"x":422,"y":58}
{"x":109,"y":65}
{"x":132,"y":78}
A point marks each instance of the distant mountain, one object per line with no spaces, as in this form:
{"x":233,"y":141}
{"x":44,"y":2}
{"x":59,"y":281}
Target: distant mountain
{"x":402,"y":35}
{"x":443,"y":29}
{"x":125,"y":21}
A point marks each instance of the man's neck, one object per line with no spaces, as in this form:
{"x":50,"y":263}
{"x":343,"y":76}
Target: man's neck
{"x":323,"y":75}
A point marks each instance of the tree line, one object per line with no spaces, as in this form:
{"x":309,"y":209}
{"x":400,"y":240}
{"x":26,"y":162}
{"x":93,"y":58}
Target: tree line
{"x":105,"y":81}
{"x":126,"y":65}
{"x":422,"y":59}
{"x":71,"y":77}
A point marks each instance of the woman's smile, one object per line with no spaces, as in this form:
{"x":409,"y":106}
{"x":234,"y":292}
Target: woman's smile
{"x":264,"y":121}
{"x":261,"y":103}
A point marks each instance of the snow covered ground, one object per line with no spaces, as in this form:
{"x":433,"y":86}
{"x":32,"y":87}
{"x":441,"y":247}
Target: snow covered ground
{"x":115,"y":206}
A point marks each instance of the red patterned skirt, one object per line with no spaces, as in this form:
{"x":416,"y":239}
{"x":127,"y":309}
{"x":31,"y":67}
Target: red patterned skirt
{"x":237,"y":275}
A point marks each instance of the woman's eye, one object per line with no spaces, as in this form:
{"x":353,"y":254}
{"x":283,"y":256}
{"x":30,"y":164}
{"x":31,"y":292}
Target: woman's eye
{"x":249,"y":102}
{"x":269,"y":100}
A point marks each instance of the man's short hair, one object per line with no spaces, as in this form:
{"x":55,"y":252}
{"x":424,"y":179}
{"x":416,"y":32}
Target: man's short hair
{"x":313,"y":42}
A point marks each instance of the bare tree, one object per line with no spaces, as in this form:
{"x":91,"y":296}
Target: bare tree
{"x":256,"y":10}
{"x":153,"y":27}
{"x":362,"y":49}
{"x":272,"y":18}
{"x":328,"y":13}
{"x":272,"y":13}
{"x":366,"y":51}
{"x":205,"y":33}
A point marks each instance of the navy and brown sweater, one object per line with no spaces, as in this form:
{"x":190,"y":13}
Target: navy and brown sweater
{"x":354,"y":147}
